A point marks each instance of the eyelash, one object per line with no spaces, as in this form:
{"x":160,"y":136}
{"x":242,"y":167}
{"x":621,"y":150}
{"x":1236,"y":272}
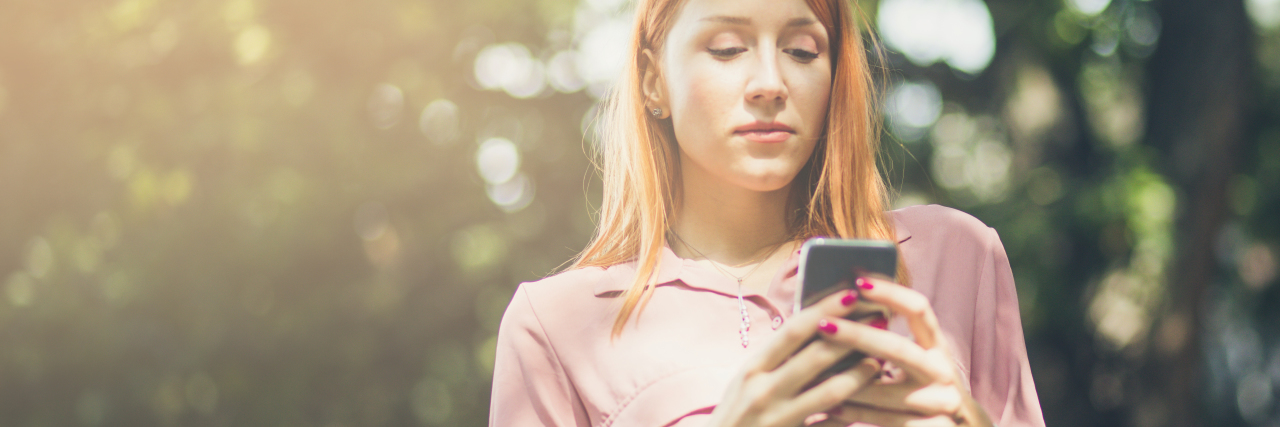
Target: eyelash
{"x":801,"y":54}
{"x":726,"y":53}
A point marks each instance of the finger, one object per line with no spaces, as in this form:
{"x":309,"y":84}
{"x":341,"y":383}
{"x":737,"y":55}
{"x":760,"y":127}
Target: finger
{"x":806,"y":364}
{"x":934,"y":399}
{"x":922,"y":365}
{"x":848,"y":414}
{"x":801,"y":327}
{"x":832,"y":391}
{"x":909,"y":303}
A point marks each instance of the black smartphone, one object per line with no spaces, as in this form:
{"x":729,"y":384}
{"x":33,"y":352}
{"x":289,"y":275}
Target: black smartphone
{"x":828,"y":266}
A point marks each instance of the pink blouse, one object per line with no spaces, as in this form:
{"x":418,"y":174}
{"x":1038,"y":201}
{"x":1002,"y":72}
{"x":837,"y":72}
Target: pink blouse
{"x":557,"y":366}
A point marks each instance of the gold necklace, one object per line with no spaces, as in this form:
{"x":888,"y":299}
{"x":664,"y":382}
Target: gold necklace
{"x":742,"y":305}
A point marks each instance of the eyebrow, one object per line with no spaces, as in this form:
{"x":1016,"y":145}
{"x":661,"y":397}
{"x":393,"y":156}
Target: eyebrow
{"x":742,"y":20}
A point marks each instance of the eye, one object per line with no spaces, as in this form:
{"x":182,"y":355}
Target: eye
{"x":727,"y":52}
{"x":801,"y":54}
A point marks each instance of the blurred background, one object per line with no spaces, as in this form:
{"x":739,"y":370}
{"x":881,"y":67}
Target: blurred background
{"x":313,"y":213}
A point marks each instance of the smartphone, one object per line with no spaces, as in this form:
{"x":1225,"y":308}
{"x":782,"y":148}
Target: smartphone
{"x":828,"y":266}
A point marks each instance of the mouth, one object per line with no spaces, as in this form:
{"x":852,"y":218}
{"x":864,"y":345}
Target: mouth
{"x":765,"y":132}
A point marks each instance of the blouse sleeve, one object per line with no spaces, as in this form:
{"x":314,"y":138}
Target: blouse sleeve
{"x":1000,"y":372}
{"x":530,"y":387}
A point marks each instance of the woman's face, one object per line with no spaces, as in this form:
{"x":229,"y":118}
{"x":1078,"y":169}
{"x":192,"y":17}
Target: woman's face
{"x":747,"y":84}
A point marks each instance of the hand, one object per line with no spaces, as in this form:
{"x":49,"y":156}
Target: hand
{"x":768,"y":390}
{"x":929,"y":394}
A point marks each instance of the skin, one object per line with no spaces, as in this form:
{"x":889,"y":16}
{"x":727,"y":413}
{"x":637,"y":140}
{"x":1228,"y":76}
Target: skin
{"x":727,"y":63}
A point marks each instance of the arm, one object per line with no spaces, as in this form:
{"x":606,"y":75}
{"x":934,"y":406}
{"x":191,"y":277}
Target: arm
{"x":1003,"y":393}
{"x":530,"y":387}
{"x":1000,"y":374}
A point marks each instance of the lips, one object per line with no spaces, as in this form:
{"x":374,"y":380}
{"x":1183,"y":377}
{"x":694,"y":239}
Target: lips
{"x":767,"y":133}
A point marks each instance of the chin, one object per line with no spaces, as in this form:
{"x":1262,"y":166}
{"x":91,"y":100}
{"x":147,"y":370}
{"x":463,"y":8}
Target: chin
{"x":765,"y":183}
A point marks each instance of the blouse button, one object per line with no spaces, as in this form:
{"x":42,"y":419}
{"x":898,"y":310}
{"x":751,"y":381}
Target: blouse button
{"x":777,"y":322}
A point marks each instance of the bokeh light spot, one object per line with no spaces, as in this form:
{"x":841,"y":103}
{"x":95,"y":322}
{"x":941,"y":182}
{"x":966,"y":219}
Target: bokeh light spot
{"x":601,"y":53}
{"x":371,"y":220}
{"x":177,"y":187}
{"x":485,"y":353}
{"x":478,"y":247}
{"x":239,"y":13}
{"x":87,"y":255}
{"x":251,"y":44}
{"x":958,"y":32}
{"x":20,"y":289}
{"x":386,"y":105}
{"x":912,"y":108}
{"x":498,"y":160}
{"x":129,"y":14}
{"x":513,"y":195}
{"x":1264,"y":13}
{"x":1143,"y":25}
{"x":431,"y":401}
{"x":439,"y":122}
{"x":510,"y":67}
{"x":39,"y":258}
{"x":201,"y":393}
{"x":1254,"y":397}
{"x":562,"y":72}
{"x":1257,"y":266}
{"x":1089,"y":7}
{"x":121,"y":161}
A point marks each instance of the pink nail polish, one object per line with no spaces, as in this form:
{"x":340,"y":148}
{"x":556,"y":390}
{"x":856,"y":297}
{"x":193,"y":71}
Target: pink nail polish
{"x":827,"y":327}
{"x":880,"y":323}
{"x":849,"y":298}
{"x":864,"y":283}
{"x":835,"y":412}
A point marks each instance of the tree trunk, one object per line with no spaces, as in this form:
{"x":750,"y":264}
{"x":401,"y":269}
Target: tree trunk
{"x":1199,"y":112}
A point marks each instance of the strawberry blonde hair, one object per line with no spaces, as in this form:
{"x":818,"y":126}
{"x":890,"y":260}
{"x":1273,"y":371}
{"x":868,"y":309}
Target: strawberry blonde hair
{"x":838,"y":193}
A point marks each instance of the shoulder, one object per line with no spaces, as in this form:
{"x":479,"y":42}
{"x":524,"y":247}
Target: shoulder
{"x":571,"y":284}
{"x":555,"y":296}
{"x":943,"y":225}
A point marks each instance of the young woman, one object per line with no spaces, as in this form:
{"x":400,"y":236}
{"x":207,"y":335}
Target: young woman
{"x":742,"y":128}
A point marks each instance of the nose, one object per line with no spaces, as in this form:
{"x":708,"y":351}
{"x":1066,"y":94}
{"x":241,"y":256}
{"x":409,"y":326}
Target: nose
{"x":765,"y":86}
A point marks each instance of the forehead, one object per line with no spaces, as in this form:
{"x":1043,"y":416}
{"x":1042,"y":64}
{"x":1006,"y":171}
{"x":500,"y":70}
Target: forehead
{"x":749,"y":13}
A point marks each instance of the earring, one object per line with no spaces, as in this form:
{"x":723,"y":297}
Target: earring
{"x":656,"y":112}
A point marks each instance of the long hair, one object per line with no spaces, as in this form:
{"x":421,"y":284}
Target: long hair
{"x":838,"y":193}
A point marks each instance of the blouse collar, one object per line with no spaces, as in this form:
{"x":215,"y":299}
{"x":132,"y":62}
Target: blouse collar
{"x":673,"y":270}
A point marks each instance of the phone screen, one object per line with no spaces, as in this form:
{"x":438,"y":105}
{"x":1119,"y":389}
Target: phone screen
{"x":828,"y":266}
{"x":831,"y":265}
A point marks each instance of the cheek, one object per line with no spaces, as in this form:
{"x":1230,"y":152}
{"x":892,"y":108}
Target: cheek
{"x":812,"y":96}
{"x":702,"y":100}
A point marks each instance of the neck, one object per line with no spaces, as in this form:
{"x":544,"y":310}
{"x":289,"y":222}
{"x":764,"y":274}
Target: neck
{"x":727,"y":223}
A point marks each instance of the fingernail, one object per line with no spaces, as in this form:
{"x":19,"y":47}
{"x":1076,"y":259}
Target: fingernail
{"x":880,"y":323}
{"x":879,"y":360}
{"x":864,"y":283}
{"x":835,"y":412}
{"x":825,"y":326}
{"x":849,"y":298}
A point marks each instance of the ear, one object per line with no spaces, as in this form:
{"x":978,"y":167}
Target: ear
{"x":652,"y":85}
